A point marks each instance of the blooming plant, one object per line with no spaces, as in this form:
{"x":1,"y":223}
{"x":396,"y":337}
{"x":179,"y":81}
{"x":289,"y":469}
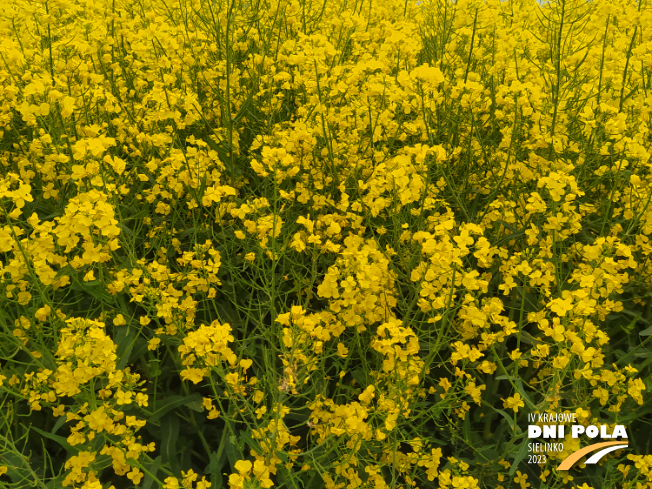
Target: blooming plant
{"x":305,"y":244}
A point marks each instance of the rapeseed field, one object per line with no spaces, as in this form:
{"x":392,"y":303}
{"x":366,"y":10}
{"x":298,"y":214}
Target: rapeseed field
{"x":332,"y":244}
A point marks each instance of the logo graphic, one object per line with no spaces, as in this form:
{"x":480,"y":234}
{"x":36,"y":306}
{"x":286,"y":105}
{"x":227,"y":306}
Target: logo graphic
{"x":607,"y":447}
{"x":554,"y":432}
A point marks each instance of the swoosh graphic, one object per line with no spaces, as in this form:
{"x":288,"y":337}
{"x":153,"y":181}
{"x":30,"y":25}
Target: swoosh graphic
{"x":597,"y":456}
{"x":569,"y":461}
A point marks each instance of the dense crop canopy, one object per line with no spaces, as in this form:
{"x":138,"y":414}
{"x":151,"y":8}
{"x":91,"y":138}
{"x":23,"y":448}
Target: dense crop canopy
{"x":322,"y":243}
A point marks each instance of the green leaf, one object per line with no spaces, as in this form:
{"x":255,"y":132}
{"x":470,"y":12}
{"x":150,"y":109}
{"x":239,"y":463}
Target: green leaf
{"x":124,"y":340}
{"x":221,"y":152}
{"x":646,"y":332}
{"x":214,"y":469}
{"x":169,"y":435}
{"x":55,"y":483}
{"x":170,"y":403}
{"x":244,"y":107}
{"x":232,"y":449}
{"x":16,"y":471}
{"x":510,"y":420}
{"x":521,"y":390}
{"x":254,"y":445}
{"x":359,"y":376}
{"x":138,"y":350}
{"x":152,"y":469}
{"x":527,"y":338}
{"x":466,"y":429}
{"x":196,"y":405}
{"x":60,"y":422}
{"x":519,"y":456}
{"x":94,"y":288}
{"x":314,"y":482}
{"x":59,"y":439}
{"x":125,"y":230}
